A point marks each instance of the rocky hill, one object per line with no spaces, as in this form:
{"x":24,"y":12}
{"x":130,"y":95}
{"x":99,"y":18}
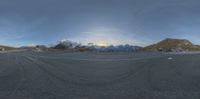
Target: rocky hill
{"x":173,"y":45}
{"x":5,"y":48}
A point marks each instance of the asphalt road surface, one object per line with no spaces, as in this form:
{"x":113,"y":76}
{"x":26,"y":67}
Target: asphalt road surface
{"x":89,"y":75}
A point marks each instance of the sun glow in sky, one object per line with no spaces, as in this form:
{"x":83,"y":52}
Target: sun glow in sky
{"x":105,"y":36}
{"x":103,"y":44}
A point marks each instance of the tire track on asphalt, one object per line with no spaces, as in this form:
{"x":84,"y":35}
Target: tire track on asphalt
{"x":103,"y":60}
{"x":131,"y":73}
{"x":22,"y":78}
{"x":6,"y":77}
{"x":171,"y":67}
{"x":20,"y":87}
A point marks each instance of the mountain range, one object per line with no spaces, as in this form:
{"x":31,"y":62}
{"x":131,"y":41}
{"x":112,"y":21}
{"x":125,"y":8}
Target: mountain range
{"x":90,"y":47}
{"x":166,"y":45}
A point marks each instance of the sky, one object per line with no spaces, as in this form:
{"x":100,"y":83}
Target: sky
{"x":136,"y":22}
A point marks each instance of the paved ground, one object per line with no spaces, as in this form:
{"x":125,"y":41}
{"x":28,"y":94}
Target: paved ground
{"x":47,"y":75}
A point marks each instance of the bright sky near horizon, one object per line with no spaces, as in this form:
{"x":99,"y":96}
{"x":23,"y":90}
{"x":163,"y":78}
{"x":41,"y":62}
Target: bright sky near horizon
{"x":137,"y":22}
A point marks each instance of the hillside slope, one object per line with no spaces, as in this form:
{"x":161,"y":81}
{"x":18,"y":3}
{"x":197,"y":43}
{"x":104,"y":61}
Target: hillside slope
{"x":173,"y":45}
{"x":3,"y":47}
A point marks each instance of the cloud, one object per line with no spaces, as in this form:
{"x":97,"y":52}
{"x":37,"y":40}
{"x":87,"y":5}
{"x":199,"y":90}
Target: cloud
{"x":137,"y":22}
